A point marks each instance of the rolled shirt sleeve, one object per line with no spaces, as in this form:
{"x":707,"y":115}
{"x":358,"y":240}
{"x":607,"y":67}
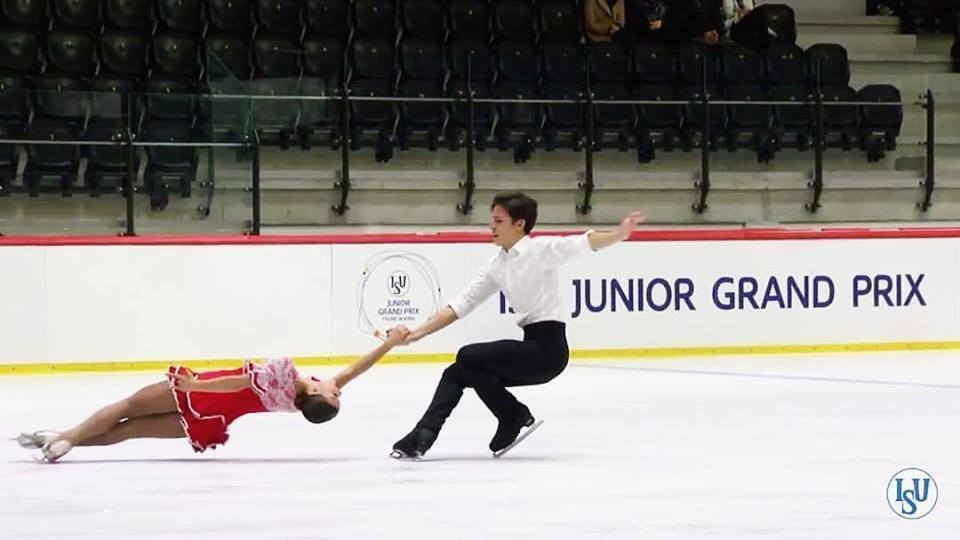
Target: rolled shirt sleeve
{"x":557,"y":250}
{"x":481,"y":288}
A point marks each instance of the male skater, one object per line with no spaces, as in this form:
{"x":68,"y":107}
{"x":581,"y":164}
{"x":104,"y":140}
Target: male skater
{"x":525,"y":269}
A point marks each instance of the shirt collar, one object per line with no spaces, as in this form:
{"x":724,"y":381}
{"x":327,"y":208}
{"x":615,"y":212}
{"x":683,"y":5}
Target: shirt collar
{"x":520,"y":247}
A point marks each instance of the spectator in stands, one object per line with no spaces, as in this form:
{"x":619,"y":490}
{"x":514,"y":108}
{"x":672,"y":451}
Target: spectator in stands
{"x":604,"y":20}
{"x":955,"y":48}
{"x":673,"y":21}
{"x":884,"y":7}
{"x":733,"y":12}
{"x":645,"y":18}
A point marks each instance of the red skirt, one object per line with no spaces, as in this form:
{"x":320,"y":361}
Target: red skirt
{"x":203,"y":415}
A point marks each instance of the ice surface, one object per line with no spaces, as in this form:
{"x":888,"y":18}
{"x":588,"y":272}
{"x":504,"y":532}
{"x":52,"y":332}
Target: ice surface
{"x":738,"y":448}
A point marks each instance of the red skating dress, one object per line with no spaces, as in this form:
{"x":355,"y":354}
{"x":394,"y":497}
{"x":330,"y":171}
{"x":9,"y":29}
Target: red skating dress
{"x":206,"y":415}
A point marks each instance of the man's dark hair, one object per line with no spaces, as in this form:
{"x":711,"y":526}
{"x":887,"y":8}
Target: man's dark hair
{"x":314,"y":408}
{"x":518,"y":206}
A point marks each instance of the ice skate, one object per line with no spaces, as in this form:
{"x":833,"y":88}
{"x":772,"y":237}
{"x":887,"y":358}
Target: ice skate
{"x":37,"y":439}
{"x":414,"y":444}
{"x":511,"y":432}
{"x":526,"y":432}
{"x":54,"y":450}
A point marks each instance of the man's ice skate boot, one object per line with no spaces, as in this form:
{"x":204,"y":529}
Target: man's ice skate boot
{"x":513,"y":430}
{"x":414,"y":444}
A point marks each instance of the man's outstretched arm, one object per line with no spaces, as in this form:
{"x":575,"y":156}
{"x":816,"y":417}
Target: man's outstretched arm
{"x":481,"y":288}
{"x":438,"y":321}
{"x":602,"y":239}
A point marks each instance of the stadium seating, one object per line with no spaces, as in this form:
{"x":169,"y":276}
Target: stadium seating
{"x":79,"y":56}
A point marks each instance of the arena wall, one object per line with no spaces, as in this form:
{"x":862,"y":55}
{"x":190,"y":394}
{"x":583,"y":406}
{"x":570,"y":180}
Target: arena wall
{"x":137,"y":303}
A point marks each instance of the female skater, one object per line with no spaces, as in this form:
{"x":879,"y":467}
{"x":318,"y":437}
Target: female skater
{"x":200,"y":406}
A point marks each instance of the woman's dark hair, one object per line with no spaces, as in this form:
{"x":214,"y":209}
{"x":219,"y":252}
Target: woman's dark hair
{"x":314,"y":408}
{"x":518,"y":206}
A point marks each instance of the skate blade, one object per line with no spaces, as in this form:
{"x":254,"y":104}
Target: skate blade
{"x":26,"y":440}
{"x":34,"y":440}
{"x":520,"y":438}
{"x":47,"y":460}
{"x":55,"y":450}
{"x":38,"y":457}
{"x":400,"y":456}
{"x":23,"y":440}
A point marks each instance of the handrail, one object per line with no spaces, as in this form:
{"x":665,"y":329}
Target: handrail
{"x":587,"y":185}
{"x":544,"y":101}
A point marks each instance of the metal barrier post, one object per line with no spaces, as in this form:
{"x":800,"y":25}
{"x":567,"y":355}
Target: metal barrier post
{"x":469,"y":184}
{"x":128,"y":188}
{"x":929,"y":180}
{"x":587,"y":185}
{"x":704,"y":184}
{"x":343,"y":183}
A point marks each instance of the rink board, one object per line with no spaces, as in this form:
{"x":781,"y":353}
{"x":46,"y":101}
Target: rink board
{"x":91,"y":304}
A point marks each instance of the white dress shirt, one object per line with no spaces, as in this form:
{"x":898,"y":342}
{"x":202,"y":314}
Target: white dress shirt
{"x":527,"y":275}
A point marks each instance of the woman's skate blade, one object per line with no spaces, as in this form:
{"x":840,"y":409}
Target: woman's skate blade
{"x":54,"y":450}
{"x":24,"y":440}
{"x":35,"y":440}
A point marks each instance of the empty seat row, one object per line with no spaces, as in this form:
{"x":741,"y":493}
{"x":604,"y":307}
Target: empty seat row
{"x":824,"y":64}
{"x":94,"y":15}
{"x":174,"y":54}
{"x":115,"y":53}
{"x":517,"y":70}
{"x":186,"y":16}
{"x":55,"y":167}
{"x":523,"y":125}
{"x":429,"y":19}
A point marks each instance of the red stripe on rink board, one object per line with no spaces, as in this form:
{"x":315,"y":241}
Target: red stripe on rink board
{"x":647,"y":235}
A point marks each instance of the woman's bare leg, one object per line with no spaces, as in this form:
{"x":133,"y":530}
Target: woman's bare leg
{"x":149,"y":400}
{"x":155,"y":426}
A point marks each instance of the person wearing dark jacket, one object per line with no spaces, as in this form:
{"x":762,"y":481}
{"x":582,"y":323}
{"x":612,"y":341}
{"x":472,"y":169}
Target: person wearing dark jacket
{"x":674,"y":21}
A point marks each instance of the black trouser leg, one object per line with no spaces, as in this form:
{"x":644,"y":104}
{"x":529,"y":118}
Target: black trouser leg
{"x":489,"y":368}
{"x":678,"y":29}
{"x":445,"y":398}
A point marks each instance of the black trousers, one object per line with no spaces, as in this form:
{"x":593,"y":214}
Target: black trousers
{"x":673,"y":32}
{"x":489,"y":368}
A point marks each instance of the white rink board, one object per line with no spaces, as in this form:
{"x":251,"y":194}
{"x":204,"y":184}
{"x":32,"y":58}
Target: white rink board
{"x":142,"y":302}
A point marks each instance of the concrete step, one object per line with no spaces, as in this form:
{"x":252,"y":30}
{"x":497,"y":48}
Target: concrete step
{"x":863,"y":63}
{"x":865,"y":43}
{"x":945,"y":86}
{"x":915,"y":125}
{"x":843,"y":179}
{"x":805,"y":8}
{"x":832,"y":24}
{"x":947,"y":163}
{"x":934,"y":43}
